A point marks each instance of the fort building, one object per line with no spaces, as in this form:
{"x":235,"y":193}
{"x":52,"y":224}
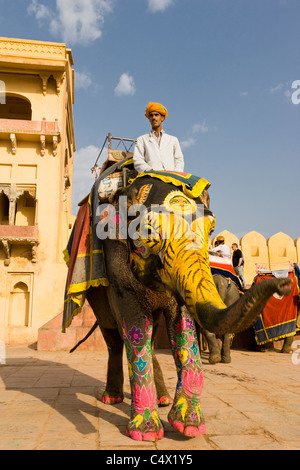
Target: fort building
{"x":36,"y":165}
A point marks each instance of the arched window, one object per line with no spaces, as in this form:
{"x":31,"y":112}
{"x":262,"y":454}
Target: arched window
{"x":15,"y":107}
{"x":25,"y":210}
{"x":19,"y":305}
{"x":4,"y":209}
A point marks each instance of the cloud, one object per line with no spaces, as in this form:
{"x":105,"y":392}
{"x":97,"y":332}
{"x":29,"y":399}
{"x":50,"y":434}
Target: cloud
{"x":40,"y":11}
{"x":276,"y":88}
{"x":75,"y":21}
{"x":284,"y":89}
{"x":244,"y":93}
{"x":159,"y":5}
{"x":125,"y":86}
{"x":185,"y":144}
{"x":200,"y":128}
{"x":192,"y":134}
{"x":82,"y":80}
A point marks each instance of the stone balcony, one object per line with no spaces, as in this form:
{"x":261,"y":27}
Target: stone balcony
{"x":19,"y":235}
{"x":25,"y":130}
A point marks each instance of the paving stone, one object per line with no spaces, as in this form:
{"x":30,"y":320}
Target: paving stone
{"x":51,"y":401}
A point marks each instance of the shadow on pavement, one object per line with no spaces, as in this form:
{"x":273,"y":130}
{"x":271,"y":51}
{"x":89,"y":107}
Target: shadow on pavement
{"x":71,"y":393}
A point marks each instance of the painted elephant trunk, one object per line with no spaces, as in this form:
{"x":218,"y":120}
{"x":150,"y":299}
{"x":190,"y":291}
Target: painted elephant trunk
{"x":243,"y":313}
{"x":193,"y":282}
{"x":195,"y":285}
{"x":186,"y":272}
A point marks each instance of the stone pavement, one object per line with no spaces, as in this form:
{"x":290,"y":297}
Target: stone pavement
{"x":50,"y":401}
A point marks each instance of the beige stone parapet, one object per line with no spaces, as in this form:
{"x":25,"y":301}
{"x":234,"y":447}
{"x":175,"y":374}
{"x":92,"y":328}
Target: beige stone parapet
{"x":278,"y":252}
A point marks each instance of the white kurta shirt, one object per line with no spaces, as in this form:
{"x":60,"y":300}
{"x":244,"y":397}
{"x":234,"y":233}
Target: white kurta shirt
{"x":223,"y":250}
{"x":150,"y":155}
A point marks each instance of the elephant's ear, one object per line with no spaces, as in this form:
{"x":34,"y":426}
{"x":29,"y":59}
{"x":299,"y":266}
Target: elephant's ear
{"x":205,"y":199}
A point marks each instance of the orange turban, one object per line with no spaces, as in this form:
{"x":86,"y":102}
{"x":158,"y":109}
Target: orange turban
{"x":156,"y":107}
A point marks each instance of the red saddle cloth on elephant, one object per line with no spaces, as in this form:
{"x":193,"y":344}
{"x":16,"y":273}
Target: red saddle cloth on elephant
{"x":226,"y":270}
{"x":279,"y":317}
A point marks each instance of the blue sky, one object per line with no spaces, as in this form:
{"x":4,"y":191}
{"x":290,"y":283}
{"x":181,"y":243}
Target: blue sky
{"x":224,"y":69}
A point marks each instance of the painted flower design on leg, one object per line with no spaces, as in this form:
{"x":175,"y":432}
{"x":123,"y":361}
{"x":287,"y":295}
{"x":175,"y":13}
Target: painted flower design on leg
{"x":193,"y":382}
{"x":146,"y":419}
{"x":143,"y":398}
{"x":190,"y":421}
{"x":135,"y":335}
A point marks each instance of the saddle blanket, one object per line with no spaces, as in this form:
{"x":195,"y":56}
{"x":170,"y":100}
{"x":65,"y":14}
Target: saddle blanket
{"x":191,"y":185}
{"x":279,"y":317}
{"x":226,"y":270}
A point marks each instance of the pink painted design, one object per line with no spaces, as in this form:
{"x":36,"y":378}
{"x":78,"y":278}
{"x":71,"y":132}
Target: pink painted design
{"x":193,"y":382}
{"x":193,"y":431}
{"x":164,"y":398}
{"x":141,"y":353}
{"x":148,"y":436}
{"x":190,"y":431}
{"x":148,"y":327}
{"x":178,"y":426}
{"x":112,"y":400}
{"x":143,"y":398}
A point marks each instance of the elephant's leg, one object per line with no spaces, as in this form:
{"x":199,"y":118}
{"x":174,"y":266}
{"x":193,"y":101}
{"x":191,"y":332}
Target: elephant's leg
{"x":225,"y":351}
{"x":144,"y":422}
{"x":186,"y":415}
{"x":97,"y":298}
{"x":114,"y":383}
{"x":163,"y":396}
{"x":287,"y":345}
{"x":213,"y":347}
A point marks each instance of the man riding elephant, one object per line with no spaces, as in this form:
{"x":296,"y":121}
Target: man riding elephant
{"x":157,"y":150}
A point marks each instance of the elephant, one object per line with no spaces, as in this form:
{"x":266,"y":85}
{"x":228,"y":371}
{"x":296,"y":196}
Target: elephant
{"x":155,"y":271}
{"x":229,"y":293}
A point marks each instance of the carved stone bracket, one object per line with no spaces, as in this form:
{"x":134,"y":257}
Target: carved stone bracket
{"x":58,"y":77}
{"x":13,"y":140}
{"x":55,"y":141}
{"x":8,"y":242}
{"x":5,"y":188}
{"x":43,"y":144}
{"x":44,"y":79}
{"x":34,"y":245}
